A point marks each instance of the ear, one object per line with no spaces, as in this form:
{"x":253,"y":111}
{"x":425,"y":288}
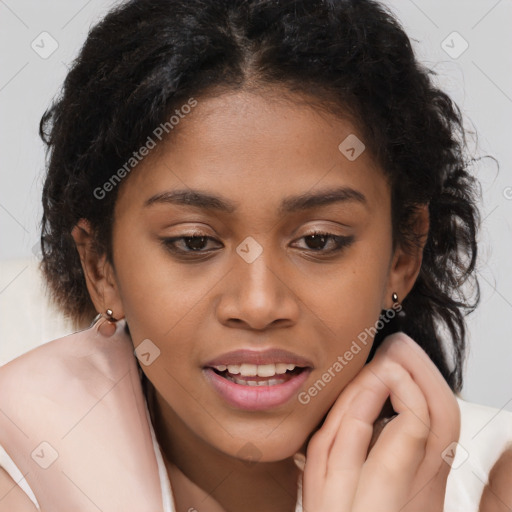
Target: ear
{"x":406,"y":261}
{"x":98,"y":271}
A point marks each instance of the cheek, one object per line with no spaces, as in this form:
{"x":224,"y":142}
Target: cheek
{"x":348,"y":304}
{"x":349,"y":296}
{"x":164,"y":306}
{"x":159,"y":294}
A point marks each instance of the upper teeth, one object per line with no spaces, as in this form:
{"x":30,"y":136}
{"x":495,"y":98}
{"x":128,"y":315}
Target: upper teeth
{"x":253,"y":370}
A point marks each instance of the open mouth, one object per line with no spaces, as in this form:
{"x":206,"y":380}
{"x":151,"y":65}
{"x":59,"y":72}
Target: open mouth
{"x":263,"y":375}
{"x":257,"y":387}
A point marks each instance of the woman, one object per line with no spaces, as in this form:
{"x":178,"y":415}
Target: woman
{"x":270,"y":207}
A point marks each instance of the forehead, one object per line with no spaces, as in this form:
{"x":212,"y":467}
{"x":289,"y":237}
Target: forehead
{"x":256,"y":149}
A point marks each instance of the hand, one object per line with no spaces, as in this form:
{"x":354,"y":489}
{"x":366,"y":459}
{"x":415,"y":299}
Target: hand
{"x":404,"y":470}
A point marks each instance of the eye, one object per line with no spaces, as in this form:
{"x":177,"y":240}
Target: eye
{"x":194,"y":243}
{"x":317,"y":240}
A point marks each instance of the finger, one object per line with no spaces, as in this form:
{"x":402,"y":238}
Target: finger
{"x":350,"y":446}
{"x":394,"y":460}
{"x":443,"y":408}
{"x":402,"y":443}
{"x":348,"y":452}
{"x":334,"y":466}
{"x":411,"y":356}
{"x":321,"y":444}
{"x":342,"y":442}
{"x":405,"y":351}
{"x":364,"y":380}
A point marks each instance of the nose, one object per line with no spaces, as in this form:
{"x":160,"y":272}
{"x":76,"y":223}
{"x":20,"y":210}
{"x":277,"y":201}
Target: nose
{"x":258,"y":295}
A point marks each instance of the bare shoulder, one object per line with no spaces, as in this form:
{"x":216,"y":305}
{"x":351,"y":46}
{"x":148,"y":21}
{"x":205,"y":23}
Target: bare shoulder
{"x":497,"y":494}
{"x":12,"y":496}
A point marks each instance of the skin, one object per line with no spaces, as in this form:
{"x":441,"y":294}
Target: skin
{"x":12,"y":497}
{"x":255,"y":150}
{"x":497,"y":494}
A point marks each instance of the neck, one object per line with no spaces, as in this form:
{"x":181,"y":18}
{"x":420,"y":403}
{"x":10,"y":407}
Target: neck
{"x":208,"y":480}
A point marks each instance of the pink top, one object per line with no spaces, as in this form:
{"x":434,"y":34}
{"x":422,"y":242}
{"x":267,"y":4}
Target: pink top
{"x":72,"y":406}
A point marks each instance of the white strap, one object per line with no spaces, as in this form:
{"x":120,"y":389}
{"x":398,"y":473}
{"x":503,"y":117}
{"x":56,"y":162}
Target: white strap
{"x":7,"y":463}
{"x":167,"y":498}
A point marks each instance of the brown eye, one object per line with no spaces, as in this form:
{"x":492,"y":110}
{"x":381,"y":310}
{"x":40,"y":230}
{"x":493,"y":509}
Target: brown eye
{"x":195,"y":243}
{"x":187,"y":244}
{"x":317,"y":241}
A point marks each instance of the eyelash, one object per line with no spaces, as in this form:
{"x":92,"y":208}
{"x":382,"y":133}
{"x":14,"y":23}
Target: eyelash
{"x":341,"y":243}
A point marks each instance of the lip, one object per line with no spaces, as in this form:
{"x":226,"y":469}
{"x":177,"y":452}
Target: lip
{"x":255,"y":398}
{"x":260,"y":357}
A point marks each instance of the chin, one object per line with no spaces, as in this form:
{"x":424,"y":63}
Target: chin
{"x":263,"y":448}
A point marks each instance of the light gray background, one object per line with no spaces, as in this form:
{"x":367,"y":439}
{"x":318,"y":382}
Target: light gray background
{"x":479,"y":80}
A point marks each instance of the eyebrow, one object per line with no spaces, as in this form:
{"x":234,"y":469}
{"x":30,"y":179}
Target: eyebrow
{"x":207,"y":201}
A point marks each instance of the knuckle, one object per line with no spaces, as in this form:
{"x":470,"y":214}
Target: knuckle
{"x":390,"y":372}
{"x":419,"y":431}
{"x":317,"y":442}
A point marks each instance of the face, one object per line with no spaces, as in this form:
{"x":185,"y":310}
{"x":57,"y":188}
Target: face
{"x":203,"y":277}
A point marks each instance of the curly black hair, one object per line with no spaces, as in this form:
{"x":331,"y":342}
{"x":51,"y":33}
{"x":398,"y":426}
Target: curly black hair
{"x":146,"y":58}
